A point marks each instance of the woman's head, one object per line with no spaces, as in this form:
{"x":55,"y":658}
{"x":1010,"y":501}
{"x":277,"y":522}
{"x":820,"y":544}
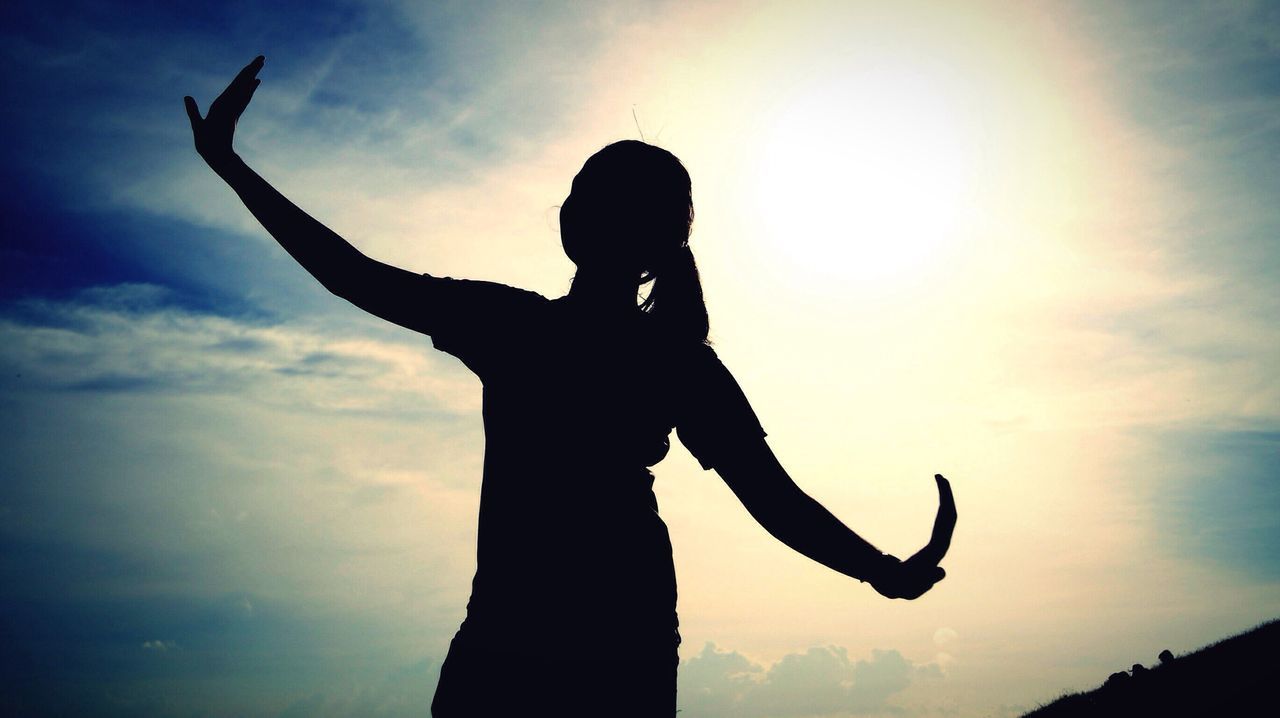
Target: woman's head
{"x":629,"y":207}
{"x":629,"y":214}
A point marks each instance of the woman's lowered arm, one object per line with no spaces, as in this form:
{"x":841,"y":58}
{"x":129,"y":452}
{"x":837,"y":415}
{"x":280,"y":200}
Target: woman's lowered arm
{"x":381,"y":289}
{"x":793,"y":517}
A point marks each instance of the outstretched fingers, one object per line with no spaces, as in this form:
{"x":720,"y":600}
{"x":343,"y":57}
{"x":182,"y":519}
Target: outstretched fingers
{"x":246,"y":80}
{"x":944,"y":524}
{"x":254,"y":65}
{"x":236,"y":97}
{"x":214,"y":132}
{"x":947,"y":500}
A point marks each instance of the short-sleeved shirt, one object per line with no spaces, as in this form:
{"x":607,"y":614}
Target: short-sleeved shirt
{"x":577,"y":406}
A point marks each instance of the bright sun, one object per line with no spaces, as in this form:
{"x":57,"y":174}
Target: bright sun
{"x":867,"y":176}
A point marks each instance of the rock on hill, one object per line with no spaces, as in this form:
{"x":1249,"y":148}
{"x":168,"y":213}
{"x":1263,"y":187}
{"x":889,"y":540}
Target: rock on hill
{"x":1233,"y":677}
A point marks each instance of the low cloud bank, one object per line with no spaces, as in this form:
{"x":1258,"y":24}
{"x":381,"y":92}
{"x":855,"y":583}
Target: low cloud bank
{"x":822,"y":681}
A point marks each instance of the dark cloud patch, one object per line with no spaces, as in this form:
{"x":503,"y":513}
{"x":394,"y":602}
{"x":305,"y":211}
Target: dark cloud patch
{"x":46,"y":250}
{"x":93,"y":105}
{"x":57,"y":248}
{"x":327,"y":364}
{"x":242,"y":345}
{"x":99,"y":159}
{"x":108,"y":63}
{"x":118,"y":382}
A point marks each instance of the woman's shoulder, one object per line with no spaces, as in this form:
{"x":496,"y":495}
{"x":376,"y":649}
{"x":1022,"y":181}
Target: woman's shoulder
{"x":484,"y":291}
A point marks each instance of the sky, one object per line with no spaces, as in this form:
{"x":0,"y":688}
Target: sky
{"x":1030,"y":246}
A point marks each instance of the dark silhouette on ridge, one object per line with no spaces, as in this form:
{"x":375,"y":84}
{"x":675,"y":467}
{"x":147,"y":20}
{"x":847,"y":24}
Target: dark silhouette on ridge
{"x":580,"y":396}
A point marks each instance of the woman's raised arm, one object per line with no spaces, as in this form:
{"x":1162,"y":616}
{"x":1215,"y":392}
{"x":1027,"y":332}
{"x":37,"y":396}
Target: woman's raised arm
{"x":793,"y":517}
{"x":381,"y":289}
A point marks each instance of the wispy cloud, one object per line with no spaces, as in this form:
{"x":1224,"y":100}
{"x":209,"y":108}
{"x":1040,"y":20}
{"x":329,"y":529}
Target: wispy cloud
{"x":365,"y":107}
{"x":128,"y":338}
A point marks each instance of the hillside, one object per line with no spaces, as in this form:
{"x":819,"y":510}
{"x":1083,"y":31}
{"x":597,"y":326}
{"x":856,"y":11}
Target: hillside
{"x":1235,"y":676}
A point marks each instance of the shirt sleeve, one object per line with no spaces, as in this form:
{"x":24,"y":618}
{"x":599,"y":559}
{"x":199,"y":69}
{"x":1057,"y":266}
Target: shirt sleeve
{"x":476,"y":321}
{"x":715,"y":418}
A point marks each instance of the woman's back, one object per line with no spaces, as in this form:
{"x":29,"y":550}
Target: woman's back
{"x":577,"y":406}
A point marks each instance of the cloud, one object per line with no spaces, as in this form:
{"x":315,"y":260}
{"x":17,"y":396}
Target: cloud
{"x":821,"y":681}
{"x":715,"y":683}
{"x":128,"y":338}
{"x":159,"y":646}
{"x":234,"y":493}
{"x":364,"y":105}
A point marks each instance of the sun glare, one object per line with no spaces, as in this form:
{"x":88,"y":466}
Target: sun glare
{"x":867,"y":176}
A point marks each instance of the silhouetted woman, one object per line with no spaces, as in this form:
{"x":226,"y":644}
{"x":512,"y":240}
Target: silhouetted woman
{"x":572,"y":609}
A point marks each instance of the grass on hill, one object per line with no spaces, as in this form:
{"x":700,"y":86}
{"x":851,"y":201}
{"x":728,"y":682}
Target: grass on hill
{"x":1233,"y":677}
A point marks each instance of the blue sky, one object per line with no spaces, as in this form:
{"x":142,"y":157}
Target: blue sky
{"x":226,"y":492}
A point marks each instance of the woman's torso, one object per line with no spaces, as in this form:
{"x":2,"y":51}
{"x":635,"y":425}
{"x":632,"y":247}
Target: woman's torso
{"x":569,"y":536}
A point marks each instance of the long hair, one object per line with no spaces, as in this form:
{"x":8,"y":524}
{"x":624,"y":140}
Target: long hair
{"x":631,"y":209}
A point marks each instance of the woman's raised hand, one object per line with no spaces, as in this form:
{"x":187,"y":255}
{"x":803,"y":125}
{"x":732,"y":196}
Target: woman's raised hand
{"x":911,"y":578}
{"x":213,"y":133}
